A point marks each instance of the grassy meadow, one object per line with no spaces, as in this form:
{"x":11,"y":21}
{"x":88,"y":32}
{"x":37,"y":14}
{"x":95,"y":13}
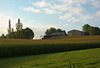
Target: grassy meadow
{"x":23,"y":47}
{"x":89,"y":58}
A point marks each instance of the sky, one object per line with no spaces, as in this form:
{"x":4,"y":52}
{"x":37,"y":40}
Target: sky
{"x":40,"y":15}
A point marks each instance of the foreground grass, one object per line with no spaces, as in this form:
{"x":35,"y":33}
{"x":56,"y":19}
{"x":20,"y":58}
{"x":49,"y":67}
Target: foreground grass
{"x":89,"y":58}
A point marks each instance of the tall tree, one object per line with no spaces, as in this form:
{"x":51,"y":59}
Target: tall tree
{"x":9,"y":27}
{"x":19,"y":26}
{"x":12,"y":30}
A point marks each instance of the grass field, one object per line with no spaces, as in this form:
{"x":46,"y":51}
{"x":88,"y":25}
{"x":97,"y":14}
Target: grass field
{"x":89,"y":58}
{"x":24,"y":47}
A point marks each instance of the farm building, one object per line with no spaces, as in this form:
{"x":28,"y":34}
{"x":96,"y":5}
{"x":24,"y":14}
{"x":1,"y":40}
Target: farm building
{"x":55,"y":35}
{"x":76,"y":33}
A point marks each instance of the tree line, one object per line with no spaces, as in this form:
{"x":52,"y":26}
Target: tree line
{"x":20,"y":33}
{"x":91,"y":30}
{"x":27,"y":33}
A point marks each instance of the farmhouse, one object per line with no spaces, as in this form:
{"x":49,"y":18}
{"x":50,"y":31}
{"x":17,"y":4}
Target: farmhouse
{"x":76,"y":33}
{"x":55,"y":35}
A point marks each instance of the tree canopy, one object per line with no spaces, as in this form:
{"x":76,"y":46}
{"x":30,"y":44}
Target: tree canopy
{"x":26,"y":33}
{"x":2,"y":36}
{"x":86,"y":28}
{"x":20,"y":33}
{"x":19,"y":26}
{"x":54,"y":30}
{"x":91,"y":30}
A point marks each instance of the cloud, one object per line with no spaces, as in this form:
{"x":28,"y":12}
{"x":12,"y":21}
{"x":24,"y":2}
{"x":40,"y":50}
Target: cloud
{"x":54,"y":8}
{"x":60,"y":7}
{"x":94,"y":3}
{"x":86,"y":17}
{"x":31,"y":9}
{"x":66,"y":16}
{"x":73,"y":19}
{"x":82,"y":1}
{"x":68,"y":2}
{"x":97,"y":14}
{"x":68,"y":25}
{"x":41,"y":4}
{"x":70,"y":10}
{"x":82,"y":18}
{"x":50,"y":11}
{"x":49,"y":26}
{"x":75,"y":12}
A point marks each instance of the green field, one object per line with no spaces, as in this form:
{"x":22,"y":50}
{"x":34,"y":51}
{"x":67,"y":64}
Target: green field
{"x":89,"y":58}
{"x":23,"y":47}
{"x":23,"y":53}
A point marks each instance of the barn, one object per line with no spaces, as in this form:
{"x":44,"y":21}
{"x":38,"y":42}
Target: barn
{"x":76,"y":33}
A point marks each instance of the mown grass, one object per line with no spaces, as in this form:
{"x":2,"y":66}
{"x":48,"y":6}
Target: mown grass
{"x":17,"y":47}
{"x":89,"y":58}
